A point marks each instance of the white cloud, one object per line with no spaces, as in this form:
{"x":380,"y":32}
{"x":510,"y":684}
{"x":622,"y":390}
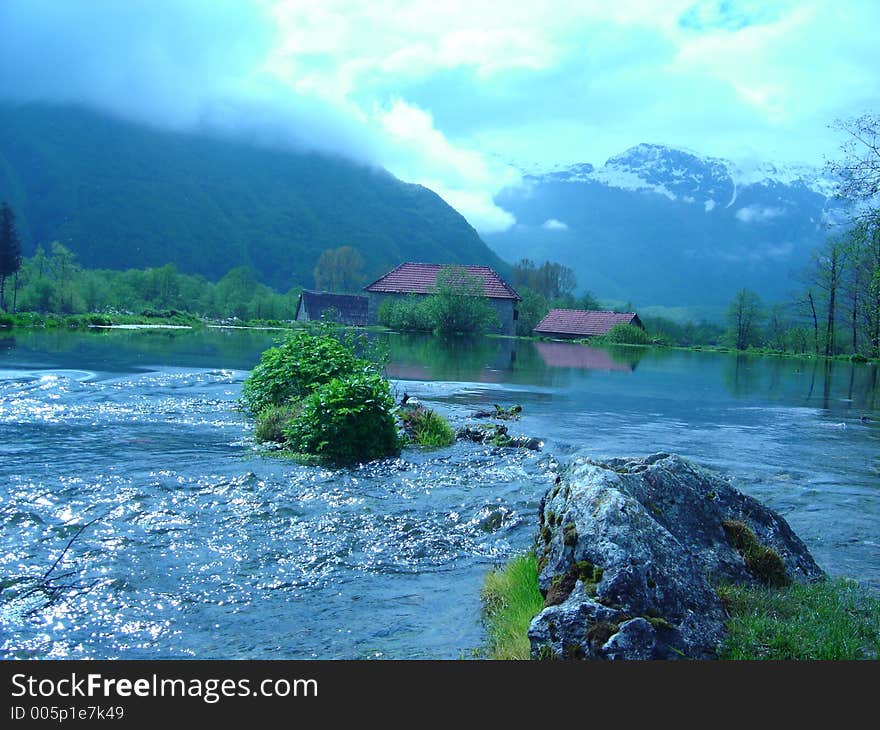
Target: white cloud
{"x":416,"y":151}
{"x":437,"y":92}
{"x":551,"y":224}
{"x":758,"y":213}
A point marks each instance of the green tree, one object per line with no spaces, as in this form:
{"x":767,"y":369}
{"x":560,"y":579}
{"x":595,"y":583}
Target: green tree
{"x":532,"y":309}
{"x":744,"y":316}
{"x":64,"y":272}
{"x":459,"y":304}
{"x":10,"y":250}
{"x":551,"y":280}
{"x":777,"y":327}
{"x":339,"y":270}
{"x":162,"y":287}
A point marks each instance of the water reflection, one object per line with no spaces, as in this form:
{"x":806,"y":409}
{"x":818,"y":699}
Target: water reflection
{"x":570,"y":355}
{"x":830,"y":385}
{"x":834,"y":386}
{"x":468,"y":359}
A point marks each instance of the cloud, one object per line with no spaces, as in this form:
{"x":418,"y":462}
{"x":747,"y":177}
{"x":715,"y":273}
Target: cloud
{"x":415,"y":150}
{"x":229,"y":67}
{"x":449,"y":94}
{"x":758,"y":213}
{"x":551,"y":224}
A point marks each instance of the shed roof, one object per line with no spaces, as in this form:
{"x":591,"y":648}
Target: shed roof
{"x":352,"y":308}
{"x":583,"y":322}
{"x":416,"y":278}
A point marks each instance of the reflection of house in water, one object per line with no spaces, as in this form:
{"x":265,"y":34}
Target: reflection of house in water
{"x":477,"y":360}
{"x":565,"y":355}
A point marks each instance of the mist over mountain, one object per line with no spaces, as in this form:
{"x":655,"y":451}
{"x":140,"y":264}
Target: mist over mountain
{"x":663,"y":226}
{"x":125,"y":195}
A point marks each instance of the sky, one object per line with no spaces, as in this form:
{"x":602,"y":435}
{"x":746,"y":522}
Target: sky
{"x":462,"y":96}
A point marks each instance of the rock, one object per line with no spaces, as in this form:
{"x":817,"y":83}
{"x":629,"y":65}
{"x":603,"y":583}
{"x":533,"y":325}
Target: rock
{"x":409,"y":401}
{"x":630,"y":552}
{"x":495,"y":434}
{"x":505,"y":414}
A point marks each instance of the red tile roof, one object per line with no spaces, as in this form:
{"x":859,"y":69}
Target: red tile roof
{"x":413,"y":278}
{"x":583,"y":322}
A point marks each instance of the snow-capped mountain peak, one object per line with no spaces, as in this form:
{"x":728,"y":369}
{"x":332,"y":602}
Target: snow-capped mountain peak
{"x":680,"y":174}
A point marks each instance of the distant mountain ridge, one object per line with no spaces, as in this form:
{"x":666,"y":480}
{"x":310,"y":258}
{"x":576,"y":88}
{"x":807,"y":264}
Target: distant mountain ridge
{"x":123,"y":195}
{"x":660,"y":225}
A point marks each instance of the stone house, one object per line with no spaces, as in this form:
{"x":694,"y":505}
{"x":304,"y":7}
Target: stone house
{"x":421,"y":279}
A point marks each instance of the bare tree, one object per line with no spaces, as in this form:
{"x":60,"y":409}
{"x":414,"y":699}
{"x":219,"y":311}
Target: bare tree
{"x":858,"y":169}
{"x":826,"y":272}
{"x":10,"y":250}
{"x":744,"y":316}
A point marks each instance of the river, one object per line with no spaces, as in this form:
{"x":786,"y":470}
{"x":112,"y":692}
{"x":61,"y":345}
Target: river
{"x":140,"y":521}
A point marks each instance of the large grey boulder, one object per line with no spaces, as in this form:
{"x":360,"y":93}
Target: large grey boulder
{"x":630,"y":551}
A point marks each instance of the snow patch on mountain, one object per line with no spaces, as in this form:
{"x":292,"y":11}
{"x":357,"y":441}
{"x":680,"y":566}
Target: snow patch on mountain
{"x":766,"y":173}
{"x":619,"y":177}
{"x":683,"y":175}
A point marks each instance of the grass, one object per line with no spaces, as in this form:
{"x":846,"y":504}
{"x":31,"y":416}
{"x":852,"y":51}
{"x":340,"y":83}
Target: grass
{"x":510,"y":600}
{"x":273,"y":420}
{"x":826,"y":620}
{"x":426,"y":427}
{"x":830,"y":619}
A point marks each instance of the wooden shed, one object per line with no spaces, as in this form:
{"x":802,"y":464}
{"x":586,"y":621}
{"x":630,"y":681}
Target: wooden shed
{"x":349,"y":309}
{"x":572,"y":324}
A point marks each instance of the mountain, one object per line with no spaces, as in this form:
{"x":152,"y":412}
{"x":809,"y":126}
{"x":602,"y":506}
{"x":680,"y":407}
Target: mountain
{"x":121,"y":195}
{"x":663,"y":226}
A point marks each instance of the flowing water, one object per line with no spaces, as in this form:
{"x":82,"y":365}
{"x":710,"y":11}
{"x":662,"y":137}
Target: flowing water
{"x":139,"y":520}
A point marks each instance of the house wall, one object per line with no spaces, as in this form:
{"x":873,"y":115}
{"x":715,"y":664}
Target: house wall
{"x":504,"y":308}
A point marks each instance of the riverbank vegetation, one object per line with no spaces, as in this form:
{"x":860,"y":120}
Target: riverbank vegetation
{"x":831,"y":619}
{"x":511,"y":599}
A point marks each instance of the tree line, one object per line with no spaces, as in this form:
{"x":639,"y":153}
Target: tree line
{"x":836,"y":309}
{"x":53,"y":281}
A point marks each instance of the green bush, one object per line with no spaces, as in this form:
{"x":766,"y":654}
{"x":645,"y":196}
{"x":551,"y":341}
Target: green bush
{"x":346,"y":420}
{"x":410,"y":314}
{"x":299,"y":364}
{"x":273,"y":420}
{"x":624,"y":334}
{"x":426,"y":427}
